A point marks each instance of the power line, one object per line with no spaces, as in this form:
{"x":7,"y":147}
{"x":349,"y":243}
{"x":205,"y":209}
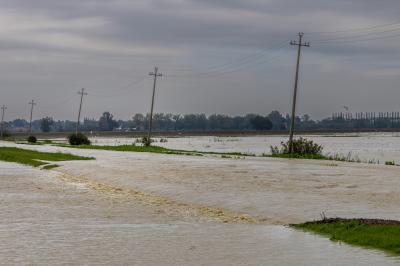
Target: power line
{"x":155,"y":74}
{"x":299,"y":44}
{"x":50,"y":106}
{"x":355,"y":36}
{"x":233,"y":68}
{"x":235,"y":63}
{"x":82,"y":93}
{"x":248,"y":66}
{"x":357,"y":29}
{"x":122,"y":89}
{"x":32,"y":103}
{"x":362,"y":40}
{"x":3,"y":109}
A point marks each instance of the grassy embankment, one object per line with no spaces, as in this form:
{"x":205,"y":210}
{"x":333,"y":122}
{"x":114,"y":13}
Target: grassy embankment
{"x":153,"y":149}
{"x":336,"y":157}
{"x":35,"y":158}
{"x":226,"y":155}
{"x":370,"y":233}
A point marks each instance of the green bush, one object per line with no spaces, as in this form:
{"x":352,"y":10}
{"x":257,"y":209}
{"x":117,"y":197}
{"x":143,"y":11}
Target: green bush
{"x":390,"y":163}
{"x":146,"y":141}
{"x":32,"y":139}
{"x":78,"y":139}
{"x":301,"y":147}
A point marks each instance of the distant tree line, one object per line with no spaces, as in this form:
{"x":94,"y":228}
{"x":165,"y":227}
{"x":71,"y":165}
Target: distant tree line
{"x":201,"y":122}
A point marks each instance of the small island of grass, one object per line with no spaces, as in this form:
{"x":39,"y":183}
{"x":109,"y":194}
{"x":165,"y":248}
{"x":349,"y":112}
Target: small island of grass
{"x":370,"y":233}
{"x":35,"y":158}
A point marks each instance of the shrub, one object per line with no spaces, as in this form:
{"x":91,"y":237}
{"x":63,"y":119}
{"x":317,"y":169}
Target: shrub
{"x":78,"y":139}
{"x":301,"y":146}
{"x":146,"y":141}
{"x":32,"y":139}
{"x":390,"y":163}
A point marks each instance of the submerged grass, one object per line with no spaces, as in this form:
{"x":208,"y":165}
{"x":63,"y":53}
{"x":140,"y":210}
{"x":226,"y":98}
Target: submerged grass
{"x":34,"y":158}
{"x":299,"y":156}
{"x":370,"y":233}
{"x":329,"y":157}
{"x":49,"y":166}
{"x":153,"y":149}
{"x":134,"y":148}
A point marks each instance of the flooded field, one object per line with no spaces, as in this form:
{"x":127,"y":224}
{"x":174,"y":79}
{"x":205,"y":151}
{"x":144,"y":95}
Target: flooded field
{"x":128,"y":208}
{"x":365,"y":146}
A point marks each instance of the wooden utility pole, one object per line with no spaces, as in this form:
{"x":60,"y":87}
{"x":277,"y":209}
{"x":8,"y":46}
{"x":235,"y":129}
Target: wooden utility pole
{"x":155,"y":74}
{"x":32,"y":103}
{"x":82,"y":93}
{"x":3,"y":109}
{"x":299,"y":44}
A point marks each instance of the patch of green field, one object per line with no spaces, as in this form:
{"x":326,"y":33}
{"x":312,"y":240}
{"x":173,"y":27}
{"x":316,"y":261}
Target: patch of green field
{"x":379,"y":234}
{"x":299,"y":156}
{"x":334,"y":157}
{"x":152,"y":149}
{"x":34,"y":158}
{"x":133,"y":148}
{"x":50,"y":166}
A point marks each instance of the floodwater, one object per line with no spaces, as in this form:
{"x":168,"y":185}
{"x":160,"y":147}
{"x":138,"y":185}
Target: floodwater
{"x":46,"y":221}
{"x":153,"y":209}
{"x":365,"y":146}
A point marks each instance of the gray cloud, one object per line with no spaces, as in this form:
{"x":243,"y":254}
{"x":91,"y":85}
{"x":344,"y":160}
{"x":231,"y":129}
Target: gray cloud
{"x":50,"y":49}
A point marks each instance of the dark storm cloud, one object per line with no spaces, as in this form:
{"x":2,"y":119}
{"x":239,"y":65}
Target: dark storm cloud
{"x":52,"y":47}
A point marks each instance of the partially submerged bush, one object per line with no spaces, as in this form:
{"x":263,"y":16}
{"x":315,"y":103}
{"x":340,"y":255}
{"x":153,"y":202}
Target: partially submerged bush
{"x":146,"y":141}
{"x":301,"y":147}
{"x":32,"y":139}
{"x":78,"y":139}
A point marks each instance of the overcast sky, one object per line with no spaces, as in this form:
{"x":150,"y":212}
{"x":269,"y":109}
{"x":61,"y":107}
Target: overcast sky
{"x":216,"y":56}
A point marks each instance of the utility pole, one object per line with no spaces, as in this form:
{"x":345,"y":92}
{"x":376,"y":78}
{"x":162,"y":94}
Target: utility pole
{"x":299,"y":44}
{"x":3,"y":109}
{"x":82,"y":93}
{"x":32,"y":103}
{"x":155,"y":74}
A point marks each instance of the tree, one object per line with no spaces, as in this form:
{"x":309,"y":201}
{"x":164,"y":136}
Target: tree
{"x":46,"y":123}
{"x":107,"y":122}
{"x":176,"y":118}
{"x":139,"y":121}
{"x":261,"y":123}
{"x":19,"y":123}
{"x":278,"y":121}
{"x":90,"y":124}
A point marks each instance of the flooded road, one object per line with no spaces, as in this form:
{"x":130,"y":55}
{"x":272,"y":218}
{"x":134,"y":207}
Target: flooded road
{"x":153,"y":209}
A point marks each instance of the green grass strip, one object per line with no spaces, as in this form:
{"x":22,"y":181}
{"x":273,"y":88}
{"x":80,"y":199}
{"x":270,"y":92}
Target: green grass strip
{"x":378,"y":234}
{"x":50,"y":166}
{"x":300,"y":156}
{"x":151,"y":149}
{"x":34,"y":158}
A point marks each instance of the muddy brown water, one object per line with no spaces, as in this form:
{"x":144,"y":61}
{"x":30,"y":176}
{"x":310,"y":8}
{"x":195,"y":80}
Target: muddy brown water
{"x":152,"y":209}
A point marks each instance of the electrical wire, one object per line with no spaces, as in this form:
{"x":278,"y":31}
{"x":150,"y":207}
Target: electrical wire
{"x":234,"y":68}
{"x":355,"y":36}
{"x":125,"y":89}
{"x":362,"y":40}
{"x":357,"y":29}
{"x":240,"y":60}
